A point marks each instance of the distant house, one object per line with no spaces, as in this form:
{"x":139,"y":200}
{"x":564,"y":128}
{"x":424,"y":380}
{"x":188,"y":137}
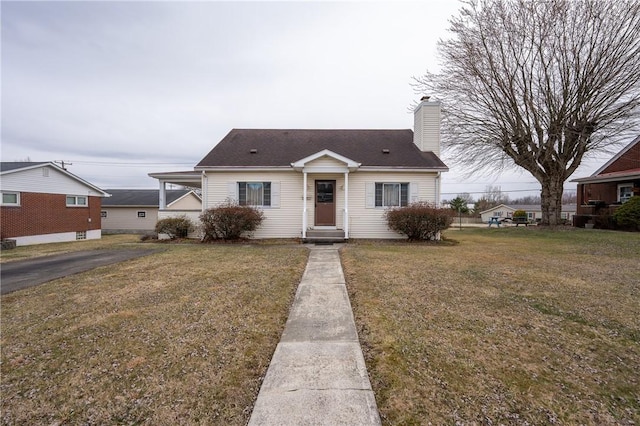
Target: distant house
{"x":315,"y":182}
{"x":136,"y":210}
{"x":44,"y":203}
{"x":611,"y":185}
{"x":534,"y":211}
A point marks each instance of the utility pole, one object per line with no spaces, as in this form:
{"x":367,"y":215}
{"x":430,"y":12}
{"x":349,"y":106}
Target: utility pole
{"x":63,"y":164}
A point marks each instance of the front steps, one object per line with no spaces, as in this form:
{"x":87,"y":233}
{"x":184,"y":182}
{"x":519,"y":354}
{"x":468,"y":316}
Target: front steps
{"x":325,"y":236}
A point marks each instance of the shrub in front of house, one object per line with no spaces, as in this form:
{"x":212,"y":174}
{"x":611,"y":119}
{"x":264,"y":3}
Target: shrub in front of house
{"x":627,"y":216}
{"x":230,"y":221}
{"x":175,"y":227}
{"x":419,"y":221}
{"x":520,"y":213}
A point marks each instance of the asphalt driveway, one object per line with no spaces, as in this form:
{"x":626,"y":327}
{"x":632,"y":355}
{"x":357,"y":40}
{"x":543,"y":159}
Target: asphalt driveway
{"x":27,"y":273}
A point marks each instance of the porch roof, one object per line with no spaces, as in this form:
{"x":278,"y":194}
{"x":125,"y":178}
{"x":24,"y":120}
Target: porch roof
{"x":189,"y":178}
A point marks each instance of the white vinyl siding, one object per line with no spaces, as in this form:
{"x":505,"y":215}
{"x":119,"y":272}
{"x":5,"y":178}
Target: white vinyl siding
{"x":365,"y":220}
{"x":286,"y":221}
{"x":426,"y":134}
{"x":32,"y":180}
{"x":188,"y":202}
{"x":325,"y":161}
{"x":126,"y":218}
{"x":283,"y":219}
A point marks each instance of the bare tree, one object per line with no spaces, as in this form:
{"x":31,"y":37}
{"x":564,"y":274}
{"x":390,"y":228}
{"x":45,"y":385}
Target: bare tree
{"x":527,"y":199}
{"x":491,"y":197}
{"x":538,"y":84}
{"x":468,"y":198}
{"x":494,"y":195}
{"x":569,"y":198}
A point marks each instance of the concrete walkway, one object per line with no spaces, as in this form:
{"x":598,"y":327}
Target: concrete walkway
{"x":317,"y":375}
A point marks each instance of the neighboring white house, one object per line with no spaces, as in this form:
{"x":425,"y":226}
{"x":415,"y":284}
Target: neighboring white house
{"x":310,"y":181}
{"x":534,"y":211}
{"x":136,"y":210}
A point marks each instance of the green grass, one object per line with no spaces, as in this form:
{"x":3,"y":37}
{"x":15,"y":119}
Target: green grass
{"x":501,"y":326}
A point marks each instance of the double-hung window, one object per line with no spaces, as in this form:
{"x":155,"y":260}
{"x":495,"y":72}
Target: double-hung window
{"x":624,"y":192}
{"x":391,"y":194}
{"x":10,"y":198}
{"x":76,"y":201}
{"x":254,"y":194}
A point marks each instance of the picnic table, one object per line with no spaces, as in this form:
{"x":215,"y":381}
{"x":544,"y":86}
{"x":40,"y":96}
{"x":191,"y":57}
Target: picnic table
{"x":521,"y":221}
{"x":494,"y":219}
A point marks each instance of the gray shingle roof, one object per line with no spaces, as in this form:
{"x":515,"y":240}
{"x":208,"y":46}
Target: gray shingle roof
{"x":283,"y":147}
{"x":6,"y":166}
{"x":140,"y":197}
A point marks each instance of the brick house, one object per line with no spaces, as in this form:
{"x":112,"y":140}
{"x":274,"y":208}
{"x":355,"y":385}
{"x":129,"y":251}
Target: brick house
{"x":44,"y":203}
{"x":610,"y":186}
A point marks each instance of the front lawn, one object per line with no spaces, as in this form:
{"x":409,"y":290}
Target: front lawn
{"x":183,"y":336}
{"x":501,"y":326}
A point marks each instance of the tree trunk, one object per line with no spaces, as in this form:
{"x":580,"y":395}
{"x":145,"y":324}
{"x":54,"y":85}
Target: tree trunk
{"x":551,"y":195}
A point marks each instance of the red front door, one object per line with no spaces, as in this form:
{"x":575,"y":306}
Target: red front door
{"x":325,"y":203}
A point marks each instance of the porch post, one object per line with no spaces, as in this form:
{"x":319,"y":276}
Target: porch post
{"x":304,"y":204}
{"x":162,"y":201}
{"x":346,"y":205}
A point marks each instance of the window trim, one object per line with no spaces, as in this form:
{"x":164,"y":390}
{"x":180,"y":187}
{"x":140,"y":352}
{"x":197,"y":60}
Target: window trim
{"x":16,"y":204}
{"x":402,"y":186}
{"x":75,"y":201}
{"x":267,"y":193}
{"x":143,"y":215}
{"x":624,"y":185}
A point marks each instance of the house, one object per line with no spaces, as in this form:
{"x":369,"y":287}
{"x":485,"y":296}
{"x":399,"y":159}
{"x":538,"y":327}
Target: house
{"x":611,"y":185}
{"x":534,"y":212}
{"x":310,"y":183}
{"x":135,"y":211}
{"x":44,"y":203}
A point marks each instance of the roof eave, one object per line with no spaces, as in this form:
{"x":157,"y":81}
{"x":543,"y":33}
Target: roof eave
{"x":604,"y":179}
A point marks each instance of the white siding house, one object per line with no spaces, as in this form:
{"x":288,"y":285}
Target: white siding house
{"x":310,"y":182}
{"x":534,"y":212}
{"x":135,"y":211}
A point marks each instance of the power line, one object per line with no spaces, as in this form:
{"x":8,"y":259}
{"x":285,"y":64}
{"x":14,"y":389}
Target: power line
{"x":113,"y":163}
{"x":501,"y":191}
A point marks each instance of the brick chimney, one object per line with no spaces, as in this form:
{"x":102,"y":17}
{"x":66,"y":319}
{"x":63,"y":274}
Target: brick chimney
{"x":426,"y":125}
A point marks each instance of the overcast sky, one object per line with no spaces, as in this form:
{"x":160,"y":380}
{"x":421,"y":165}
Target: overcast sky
{"x":122,"y":89}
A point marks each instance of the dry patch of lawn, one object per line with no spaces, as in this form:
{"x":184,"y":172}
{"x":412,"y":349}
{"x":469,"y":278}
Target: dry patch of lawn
{"x":509,"y":326}
{"x":37,"y":250}
{"x":183,"y":336}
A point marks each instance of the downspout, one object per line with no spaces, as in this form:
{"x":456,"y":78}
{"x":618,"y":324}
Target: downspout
{"x":438,"y":189}
{"x":205,"y":196}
